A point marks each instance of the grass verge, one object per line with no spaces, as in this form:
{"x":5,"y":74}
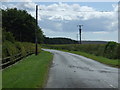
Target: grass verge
{"x":110,"y":62}
{"x":30,"y":72}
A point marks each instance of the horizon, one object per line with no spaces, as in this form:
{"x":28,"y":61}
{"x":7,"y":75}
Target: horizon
{"x":85,"y":40}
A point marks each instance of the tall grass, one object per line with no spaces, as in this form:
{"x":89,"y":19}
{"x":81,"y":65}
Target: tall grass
{"x":13,"y":48}
{"x":110,"y":50}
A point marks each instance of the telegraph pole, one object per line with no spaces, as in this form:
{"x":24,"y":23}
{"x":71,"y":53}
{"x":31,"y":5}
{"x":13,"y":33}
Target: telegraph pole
{"x":36,"y":47}
{"x":77,"y":38}
{"x":80,"y":28}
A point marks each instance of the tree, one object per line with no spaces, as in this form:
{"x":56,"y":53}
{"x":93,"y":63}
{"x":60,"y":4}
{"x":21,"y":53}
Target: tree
{"x":21,"y":24}
{"x":7,"y":36}
{"x":48,"y":40}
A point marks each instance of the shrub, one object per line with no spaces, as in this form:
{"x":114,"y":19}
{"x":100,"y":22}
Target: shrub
{"x":7,"y":36}
{"x":110,"y":50}
{"x":11,"y":49}
{"x":118,"y":51}
{"x":21,"y":48}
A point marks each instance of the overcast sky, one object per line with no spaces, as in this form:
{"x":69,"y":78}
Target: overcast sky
{"x":60,"y":19}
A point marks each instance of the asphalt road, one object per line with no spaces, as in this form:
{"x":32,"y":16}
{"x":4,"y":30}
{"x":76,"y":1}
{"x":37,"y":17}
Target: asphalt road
{"x":74,"y":71}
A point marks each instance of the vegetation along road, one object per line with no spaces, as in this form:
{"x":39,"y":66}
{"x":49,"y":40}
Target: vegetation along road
{"x":30,"y":72}
{"x":74,"y":71}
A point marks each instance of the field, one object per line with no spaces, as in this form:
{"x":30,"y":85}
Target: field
{"x":104,"y":53}
{"x":31,"y":72}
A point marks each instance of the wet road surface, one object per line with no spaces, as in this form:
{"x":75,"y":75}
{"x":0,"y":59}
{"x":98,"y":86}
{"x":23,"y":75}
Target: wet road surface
{"x":74,"y":71}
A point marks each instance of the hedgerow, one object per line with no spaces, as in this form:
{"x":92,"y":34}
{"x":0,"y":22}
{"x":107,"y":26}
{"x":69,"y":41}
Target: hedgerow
{"x":110,"y":50}
{"x":13,"y":48}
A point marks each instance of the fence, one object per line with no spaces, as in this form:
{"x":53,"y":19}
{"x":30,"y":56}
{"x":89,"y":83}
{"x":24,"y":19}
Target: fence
{"x":13,"y":59}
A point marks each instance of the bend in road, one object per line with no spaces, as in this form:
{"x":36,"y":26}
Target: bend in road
{"x":74,"y":71}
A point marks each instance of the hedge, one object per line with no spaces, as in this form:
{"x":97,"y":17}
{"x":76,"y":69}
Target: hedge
{"x":110,"y":50}
{"x":13,"y":48}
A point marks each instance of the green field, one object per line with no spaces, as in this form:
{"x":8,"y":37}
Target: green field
{"x":110,"y":50}
{"x":31,"y":72}
{"x":104,"y":53}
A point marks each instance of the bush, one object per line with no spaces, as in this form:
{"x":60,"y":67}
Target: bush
{"x":21,"y":48}
{"x":11,"y":49}
{"x":110,"y":50}
{"x":7,"y":36}
{"x":118,"y":51}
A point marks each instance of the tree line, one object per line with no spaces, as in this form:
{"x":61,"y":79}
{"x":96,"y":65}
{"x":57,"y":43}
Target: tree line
{"x":20,"y":26}
{"x":59,"y":40}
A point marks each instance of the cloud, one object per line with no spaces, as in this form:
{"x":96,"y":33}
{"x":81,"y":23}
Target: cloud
{"x":5,"y":0}
{"x":16,"y":0}
{"x":96,"y":24}
{"x":63,"y":11}
{"x":19,"y":5}
{"x":100,"y":32}
{"x":52,"y":33}
{"x":28,"y":6}
{"x":61,"y":19}
{"x":71,"y":15}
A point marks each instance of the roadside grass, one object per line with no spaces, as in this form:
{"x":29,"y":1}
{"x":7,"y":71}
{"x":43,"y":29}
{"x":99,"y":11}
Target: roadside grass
{"x":110,"y":62}
{"x":31,"y":72}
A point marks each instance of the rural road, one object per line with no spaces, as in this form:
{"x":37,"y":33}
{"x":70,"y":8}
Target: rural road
{"x":74,"y":71}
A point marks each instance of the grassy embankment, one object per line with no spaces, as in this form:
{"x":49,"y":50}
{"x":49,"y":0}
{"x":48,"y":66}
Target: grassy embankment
{"x":31,"y":72}
{"x":111,"y":62}
{"x":104,"y":53}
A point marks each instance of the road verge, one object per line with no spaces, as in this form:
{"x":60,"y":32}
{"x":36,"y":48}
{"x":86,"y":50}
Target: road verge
{"x":31,"y":72}
{"x":110,"y":62}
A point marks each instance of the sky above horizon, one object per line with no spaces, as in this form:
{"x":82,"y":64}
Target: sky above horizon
{"x":60,"y":19}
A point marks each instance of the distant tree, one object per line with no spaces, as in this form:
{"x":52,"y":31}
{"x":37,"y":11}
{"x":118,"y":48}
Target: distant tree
{"x":21,"y":24}
{"x":48,"y":40}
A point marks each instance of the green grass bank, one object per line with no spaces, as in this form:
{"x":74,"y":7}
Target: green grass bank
{"x":104,"y":53}
{"x":110,"y":50}
{"x":31,"y":72}
{"x":110,"y":62}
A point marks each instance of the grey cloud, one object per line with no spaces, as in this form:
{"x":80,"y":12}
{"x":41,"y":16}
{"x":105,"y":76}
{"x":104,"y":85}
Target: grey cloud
{"x":92,"y":25}
{"x":29,"y":6}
